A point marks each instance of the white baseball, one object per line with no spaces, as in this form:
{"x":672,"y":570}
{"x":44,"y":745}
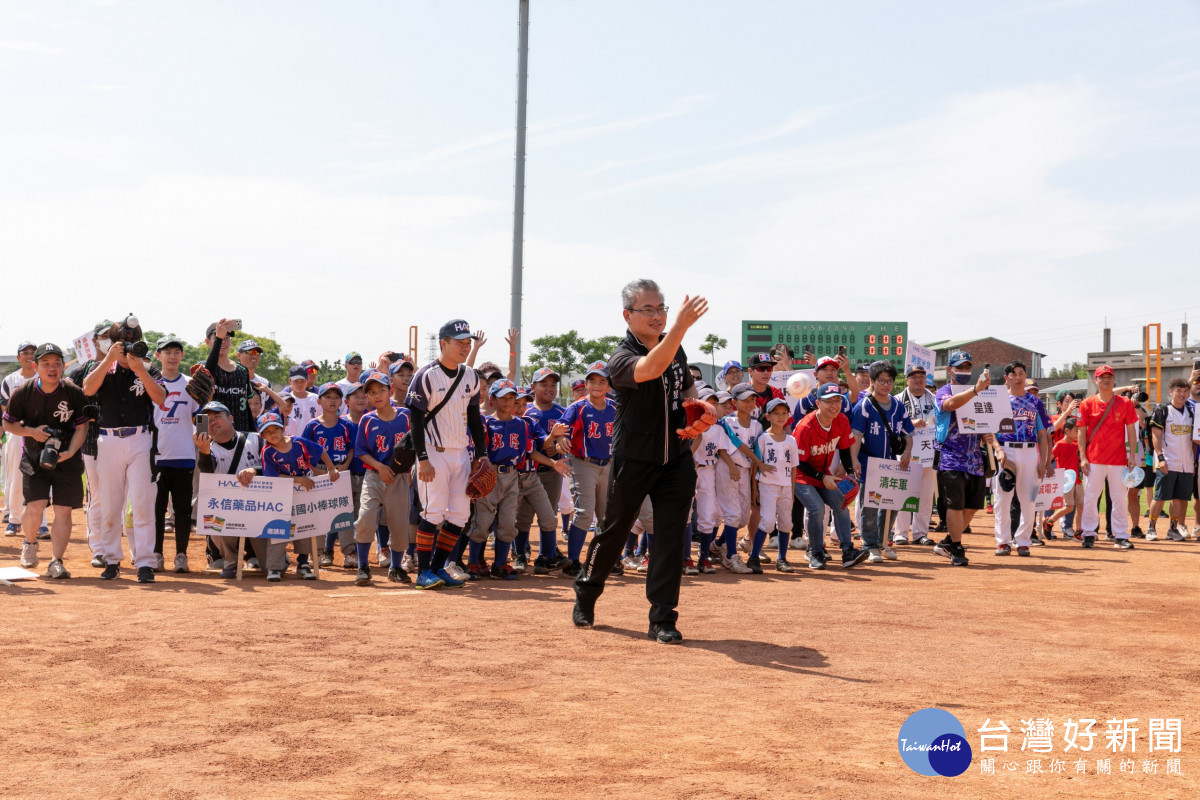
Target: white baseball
{"x":800,"y":385}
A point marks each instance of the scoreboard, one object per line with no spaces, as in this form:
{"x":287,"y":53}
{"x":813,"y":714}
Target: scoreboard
{"x":864,"y":341}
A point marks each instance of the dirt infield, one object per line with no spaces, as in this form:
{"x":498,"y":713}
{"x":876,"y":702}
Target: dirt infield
{"x":788,"y":685}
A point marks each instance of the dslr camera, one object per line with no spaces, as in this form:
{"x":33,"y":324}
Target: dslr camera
{"x":48,"y":456}
{"x":128,"y":333}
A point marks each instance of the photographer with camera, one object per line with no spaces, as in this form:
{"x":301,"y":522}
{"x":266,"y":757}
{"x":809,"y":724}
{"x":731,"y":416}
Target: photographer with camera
{"x":49,"y":412}
{"x":127,"y":390}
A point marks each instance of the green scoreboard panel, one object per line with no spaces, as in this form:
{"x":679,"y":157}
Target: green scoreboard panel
{"x":864,"y":341}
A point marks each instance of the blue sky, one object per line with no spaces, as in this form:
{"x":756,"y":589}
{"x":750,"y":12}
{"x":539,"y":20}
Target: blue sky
{"x":337,"y":172}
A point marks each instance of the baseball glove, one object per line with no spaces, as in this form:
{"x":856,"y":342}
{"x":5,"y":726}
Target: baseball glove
{"x":200,"y":387}
{"x":700,"y":417}
{"x":481,"y":480}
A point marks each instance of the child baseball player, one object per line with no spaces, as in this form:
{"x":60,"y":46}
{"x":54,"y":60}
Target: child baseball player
{"x":532,"y":497}
{"x":711,"y":453}
{"x":734,"y":493}
{"x":296,"y":457}
{"x":511,"y":440}
{"x":775,"y":448}
{"x":383,"y":491}
{"x":176,"y":452}
{"x":590,"y":425}
{"x":336,"y":436}
{"x":304,"y":406}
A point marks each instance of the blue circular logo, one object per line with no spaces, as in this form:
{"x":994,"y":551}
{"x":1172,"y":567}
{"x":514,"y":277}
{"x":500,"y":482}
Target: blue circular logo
{"x":933,"y":742}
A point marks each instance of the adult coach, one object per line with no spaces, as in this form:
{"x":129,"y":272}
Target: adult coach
{"x":649,"y":374}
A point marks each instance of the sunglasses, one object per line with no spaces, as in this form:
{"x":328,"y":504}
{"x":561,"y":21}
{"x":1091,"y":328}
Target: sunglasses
{"x":762,"y":368}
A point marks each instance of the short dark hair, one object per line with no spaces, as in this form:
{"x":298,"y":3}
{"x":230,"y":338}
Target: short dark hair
{"x":1178,"y":383}
{"x":1013,"y":366}
{"x":882,"y":368}
{"x":1070,"y":423}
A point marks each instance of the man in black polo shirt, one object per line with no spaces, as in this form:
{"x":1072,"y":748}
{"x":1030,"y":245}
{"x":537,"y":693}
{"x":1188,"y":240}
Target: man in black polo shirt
{"x":127,"y":390}
{"x":49,"y":409}
{"x":231,"y":381}
{"x":650,"y":376}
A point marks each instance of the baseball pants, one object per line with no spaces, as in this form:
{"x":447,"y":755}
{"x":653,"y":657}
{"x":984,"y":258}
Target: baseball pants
{"x":499,"y":504}
{"x":565,"y":506}
{"x":1118,"y":500}
{"x":733,"y":497}
{"x":589,"y":492}
{"x":918,"y":524}
{"x":393,"y":501}
{"x":552,"y":485}
{"x":444,"y":499}
{"x":14,"y":497}
{"x":706,"y":496}
{"x":670,"y":488}
{"x":531,"y":495}
{"x":776,"y":504}
{"x":92,"y":504}
{"x":1024,"y":462}
{"x":125,"y":465}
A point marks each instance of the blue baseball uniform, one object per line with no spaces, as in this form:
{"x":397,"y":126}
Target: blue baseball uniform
{"x":378,"y":437}
{"x":590,"y":428}
{"x":296,"y":462}
{"x":337,"y":441}
{"x":356,"y":465}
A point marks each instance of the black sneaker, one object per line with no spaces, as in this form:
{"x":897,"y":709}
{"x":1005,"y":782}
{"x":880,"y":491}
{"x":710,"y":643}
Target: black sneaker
{"x":145,"y":575}
{"x":941,"y":528}
{"x":572,"y":568}
{"x":853,"y":558}
{"x":541,"y":566}
{"x":1108,"y":536}
{"x":111,"y":572}
{"x":1035,"y":541}
{"x":397,"y":575}
{"x":1123,"y":544}
{"x":925,"y":541}
{"x":305,"y":572}
{"x":755,"y":565}
{"x":557,"y":561}
{"x":664,"y":633}
{"x":1089,"y":541}
{"x":98,"y":561}
{"x":583,"y":614}
{"x":363,"y":577}
{"x":1174,"y":535}
{"x":1137,"y":533}
{"x":815,"y":561}
{"x":617,"y":569}
{"x":958,"y":557}
{"x":520,"y":564}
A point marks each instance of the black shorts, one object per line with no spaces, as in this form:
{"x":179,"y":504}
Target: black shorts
{"x":1147,"y":478}
{"x":62,"y":486}
{"x":962,"y":490}
{"x":1173,"y":486}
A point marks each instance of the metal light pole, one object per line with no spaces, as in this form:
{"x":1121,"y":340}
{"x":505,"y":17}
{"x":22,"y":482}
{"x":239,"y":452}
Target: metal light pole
{"x":519,"y":199}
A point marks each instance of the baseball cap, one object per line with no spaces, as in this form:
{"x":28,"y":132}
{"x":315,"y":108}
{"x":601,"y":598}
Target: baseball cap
{"x":723,"y":397}
{"x":824,"y":361}
{"x":959,"y":357}
{"x":743,"y":390}
{"x":297,"y":371}
{"x":502,"y":387}
{"x":352,"y":388}
{"x":706,"y":393}
{"x":731,"y":365}
{"x":455,"y":329}
{"x":596,"y":368}
{"x":1103,"y":369}
{"x":47,"y":349}
{"x":543,"y":373}
{"x":399,"y":365}
{"x":25,"y":345}
{"x":577,"y":384}
{"x":525,"y":391}
{"x":166,"y":341}
{"x":329,"y":386}
{"x":215,"y":406}
{"x":761,"y":360}
{"x":377,"y":377}
{"x":492,"y":375}
{"x":864,"y":367}
{"x":309,"y":365}
{"x":914,"y":369}
{"x":828,"y":390}
{"x":102,"y":327}
{"x":248,"y":345}
{"x":353,"y":354}
{"x":776,"y":403}
{"x":267,"y":421}
{"x":209,"y":332}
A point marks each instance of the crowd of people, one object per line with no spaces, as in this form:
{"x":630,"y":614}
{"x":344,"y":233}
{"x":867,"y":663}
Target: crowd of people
{"x":124,"y":436}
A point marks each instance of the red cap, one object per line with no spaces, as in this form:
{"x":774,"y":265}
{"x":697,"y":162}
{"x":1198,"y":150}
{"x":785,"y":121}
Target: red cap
{"x":823,"y":360}
{"x":1103,"y":369}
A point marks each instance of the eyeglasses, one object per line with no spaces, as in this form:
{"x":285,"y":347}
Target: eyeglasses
{"x":651,"y":311}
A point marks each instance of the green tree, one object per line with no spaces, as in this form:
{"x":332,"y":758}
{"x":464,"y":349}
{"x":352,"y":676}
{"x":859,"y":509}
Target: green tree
{"x":562,"y":353}
{"x":274,"y":363}
{"x":192,"y":354}
{"x":327,"y":372}
{"x":713,"y":343}
{"x":1072,"y":370}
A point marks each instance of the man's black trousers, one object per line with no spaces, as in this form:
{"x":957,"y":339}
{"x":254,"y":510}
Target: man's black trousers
{"x":671,"y":488}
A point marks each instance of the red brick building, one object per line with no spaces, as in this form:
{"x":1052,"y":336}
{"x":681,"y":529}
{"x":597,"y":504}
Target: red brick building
{"x":989,"y":350}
